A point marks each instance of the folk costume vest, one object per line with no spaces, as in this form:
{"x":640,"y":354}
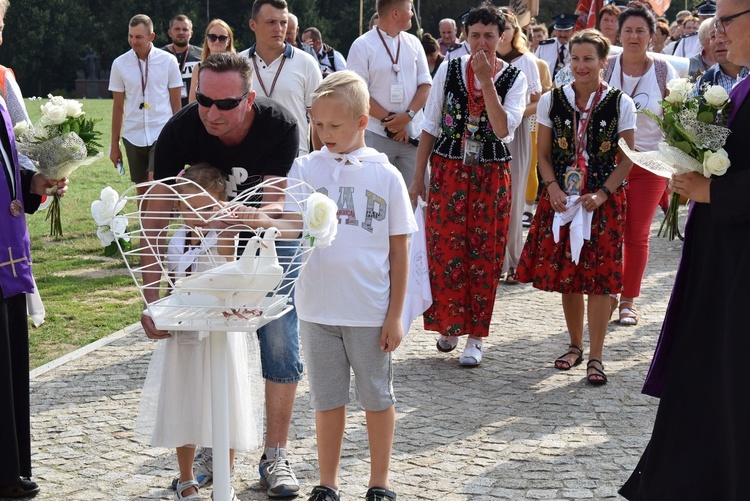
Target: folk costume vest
{"x":15,"y":252}
{"x":455,"y":117}
{"x":601,"y":137}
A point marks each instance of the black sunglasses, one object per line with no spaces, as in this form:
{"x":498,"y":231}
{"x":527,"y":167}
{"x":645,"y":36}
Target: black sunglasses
{"x":720,"y":24}
{"x":222,"y":104}
{"x":220,"y":38}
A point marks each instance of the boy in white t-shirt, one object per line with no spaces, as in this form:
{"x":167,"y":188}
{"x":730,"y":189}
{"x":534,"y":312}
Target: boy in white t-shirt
{"x":350,"y":295}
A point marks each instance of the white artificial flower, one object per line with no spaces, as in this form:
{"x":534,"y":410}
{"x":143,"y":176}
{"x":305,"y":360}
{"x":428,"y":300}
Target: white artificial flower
{"x":715,"y":163}
{"x":320,"y":220}
{"x":104,"y":211}
{"x":716,"y":95}
{"x":53,"y":114}
{"x":73,"y":108}
{"x":105,"y":235}
{"x":119,"y":225}
{"x":20,"y":128}
{"x":603,"y":123}
{"x":567,"y":122}
{"x":679,"y":90}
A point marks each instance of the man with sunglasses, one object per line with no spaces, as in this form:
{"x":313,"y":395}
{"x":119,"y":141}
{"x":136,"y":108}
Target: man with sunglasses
{"x":249,"y":139}
{"x":698,"y":447}
{"x":180,"y":31}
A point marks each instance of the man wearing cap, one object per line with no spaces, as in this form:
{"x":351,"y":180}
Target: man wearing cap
{"x":554,"y":51}
{"x":705,"y":10}
{"x":461,"y":48}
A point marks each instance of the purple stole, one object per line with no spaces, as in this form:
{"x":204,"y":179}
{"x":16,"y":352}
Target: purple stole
{"x":15,"y":252}
{"x":737,"y":96}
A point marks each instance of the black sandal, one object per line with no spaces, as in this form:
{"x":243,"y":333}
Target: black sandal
{"x":597,"y":378}
{"x":575,"y":350}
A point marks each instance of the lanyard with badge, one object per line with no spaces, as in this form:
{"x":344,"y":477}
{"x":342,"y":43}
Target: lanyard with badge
{"x":471,"y":145}
{"x":144,"y":83}
{"x":397,"y":89}
{"x":575,"y":175}
{"x":276,"y":77}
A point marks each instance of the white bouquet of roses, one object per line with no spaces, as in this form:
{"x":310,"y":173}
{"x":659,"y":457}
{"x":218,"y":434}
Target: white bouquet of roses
{"x":319,"y":218}
{"x":694,"y":136}
{"x":61,"y":141}
{"x":107,"y":212}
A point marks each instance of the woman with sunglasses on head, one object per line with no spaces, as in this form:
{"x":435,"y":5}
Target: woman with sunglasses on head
{"x":644,"y":78}
{"x":574,"y":245}
{"x":512,"y":49}
{"x":698,"y":447}
{"x":219,"y":38}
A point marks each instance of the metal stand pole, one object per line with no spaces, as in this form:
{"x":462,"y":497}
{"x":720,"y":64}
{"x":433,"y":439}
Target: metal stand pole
{"x":220,"y":415}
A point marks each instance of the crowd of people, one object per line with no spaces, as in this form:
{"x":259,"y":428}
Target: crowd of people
{"x":496,"y":127}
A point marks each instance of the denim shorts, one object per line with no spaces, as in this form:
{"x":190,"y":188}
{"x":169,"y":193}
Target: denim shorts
{"x":279,"y":340}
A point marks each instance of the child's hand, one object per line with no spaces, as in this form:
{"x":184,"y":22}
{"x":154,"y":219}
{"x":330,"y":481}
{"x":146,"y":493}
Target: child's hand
{"x":391,"y":335}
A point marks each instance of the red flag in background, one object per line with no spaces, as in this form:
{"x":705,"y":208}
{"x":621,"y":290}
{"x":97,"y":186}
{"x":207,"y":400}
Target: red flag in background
{"x":524,"y":10}
{"x":587,"y":12}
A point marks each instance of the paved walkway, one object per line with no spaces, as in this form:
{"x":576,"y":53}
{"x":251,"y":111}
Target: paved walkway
{"x":513,"y":428}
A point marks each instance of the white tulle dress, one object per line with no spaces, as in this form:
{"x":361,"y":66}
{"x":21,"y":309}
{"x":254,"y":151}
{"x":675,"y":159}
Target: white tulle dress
{"x":175,"y":407}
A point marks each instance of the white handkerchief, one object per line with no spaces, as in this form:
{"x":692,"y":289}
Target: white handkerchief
{"x":354,"y":158}
{"x":580,"y":226}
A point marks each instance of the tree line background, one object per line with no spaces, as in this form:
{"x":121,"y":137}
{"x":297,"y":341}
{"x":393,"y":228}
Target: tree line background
{"x":45,"y":40}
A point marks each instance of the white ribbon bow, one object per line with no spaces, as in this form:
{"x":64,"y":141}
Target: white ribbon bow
{"x":354,"y":158}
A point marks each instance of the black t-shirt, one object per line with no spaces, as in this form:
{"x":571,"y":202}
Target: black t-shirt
{"x":269,"y":148}
{"x":187,"y":61}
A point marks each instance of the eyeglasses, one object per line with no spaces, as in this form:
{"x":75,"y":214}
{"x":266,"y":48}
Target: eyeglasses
{"x":222,"y":104}
{"x":220,"y":38}
{"x":721,"y":22}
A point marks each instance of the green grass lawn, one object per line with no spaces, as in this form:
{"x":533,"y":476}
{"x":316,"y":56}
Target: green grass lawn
{"x":87,"y":295}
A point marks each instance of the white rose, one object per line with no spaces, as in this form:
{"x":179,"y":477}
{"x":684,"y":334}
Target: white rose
{"x":20,"y":128}
{"x":105,"y":235}
{"x":679,"y":90}
{"x":715,"y":95}
{"x":73,"y":108}
{"x":56,"y":100}
{"x":320,"y":220}
{"x":54,"y":114}
{"x":715,"y":163}
{"x":104,"y":210}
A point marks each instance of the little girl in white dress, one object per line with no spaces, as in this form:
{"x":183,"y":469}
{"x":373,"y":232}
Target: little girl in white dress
{"x":175,"y":408}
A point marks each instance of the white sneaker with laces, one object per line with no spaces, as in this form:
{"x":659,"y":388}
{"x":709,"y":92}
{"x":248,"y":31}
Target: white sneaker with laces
{"x":276,"y":475}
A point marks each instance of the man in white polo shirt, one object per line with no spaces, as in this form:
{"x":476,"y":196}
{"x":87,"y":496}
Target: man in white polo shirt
{"x":283,"y":73}
{"x":145,"y":83}
{"x":394,"y":65}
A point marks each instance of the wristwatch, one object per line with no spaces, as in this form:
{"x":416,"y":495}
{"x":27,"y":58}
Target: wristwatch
{"x":411,"y":114}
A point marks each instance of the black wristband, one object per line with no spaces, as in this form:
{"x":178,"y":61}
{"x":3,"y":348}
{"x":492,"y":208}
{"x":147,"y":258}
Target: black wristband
{"x":605,"y":190}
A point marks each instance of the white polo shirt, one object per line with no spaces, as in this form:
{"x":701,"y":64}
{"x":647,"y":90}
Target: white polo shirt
{"x":369,"y":59}
{"x":296,"y":81}
{"x":142,"y":125}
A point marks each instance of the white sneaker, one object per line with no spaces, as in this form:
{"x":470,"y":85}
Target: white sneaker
{"x":472,"y":355}
{"x":277,"y":477}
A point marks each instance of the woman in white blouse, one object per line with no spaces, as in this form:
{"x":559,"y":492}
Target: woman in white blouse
{"x":512,"y":49}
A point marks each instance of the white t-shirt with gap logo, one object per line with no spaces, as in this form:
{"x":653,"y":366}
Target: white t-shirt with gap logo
{"x":348,"y":283}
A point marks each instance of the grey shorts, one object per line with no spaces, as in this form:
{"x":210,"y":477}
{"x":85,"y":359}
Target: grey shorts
{"x":332,"y":352}
{"x":140,"y":160}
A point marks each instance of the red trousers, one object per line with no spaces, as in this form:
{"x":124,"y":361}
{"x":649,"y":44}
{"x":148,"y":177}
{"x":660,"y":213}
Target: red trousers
{"x":644,"y":192}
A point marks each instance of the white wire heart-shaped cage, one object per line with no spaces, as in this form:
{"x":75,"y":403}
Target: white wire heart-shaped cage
{"x":216,"y":266}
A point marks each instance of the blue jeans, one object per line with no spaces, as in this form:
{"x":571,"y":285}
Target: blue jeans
{"x":279,"y":340}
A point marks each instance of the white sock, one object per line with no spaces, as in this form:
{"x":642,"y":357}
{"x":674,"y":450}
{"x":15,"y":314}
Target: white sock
{"x":270,"y":453}
{"x":528,"y":208}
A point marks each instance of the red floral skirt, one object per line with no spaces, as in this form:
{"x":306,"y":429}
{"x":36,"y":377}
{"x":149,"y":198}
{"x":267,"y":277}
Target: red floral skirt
{"x":466,"y":228}
{"x":548,"y":265}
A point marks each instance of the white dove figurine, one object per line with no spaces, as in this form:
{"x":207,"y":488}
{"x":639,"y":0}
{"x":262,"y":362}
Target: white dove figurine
{"x":225,"y":281}
{"x":268,"y":273}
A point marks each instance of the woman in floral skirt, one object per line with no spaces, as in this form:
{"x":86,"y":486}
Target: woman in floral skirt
{"x":475,"y":105}
{"x":578,"y":126}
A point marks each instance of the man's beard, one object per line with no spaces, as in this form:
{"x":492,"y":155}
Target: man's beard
{"x":180,"y":44}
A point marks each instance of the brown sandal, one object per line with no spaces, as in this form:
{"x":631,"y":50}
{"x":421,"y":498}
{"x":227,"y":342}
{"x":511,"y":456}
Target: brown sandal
{"x":598,"y":377}
{"x":628,"y":313}
{"x":564,"y":365}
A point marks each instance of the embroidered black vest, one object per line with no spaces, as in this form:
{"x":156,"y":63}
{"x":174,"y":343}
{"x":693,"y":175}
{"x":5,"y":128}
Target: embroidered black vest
{"x":456,"y":114}
{"x":601,"y":137}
